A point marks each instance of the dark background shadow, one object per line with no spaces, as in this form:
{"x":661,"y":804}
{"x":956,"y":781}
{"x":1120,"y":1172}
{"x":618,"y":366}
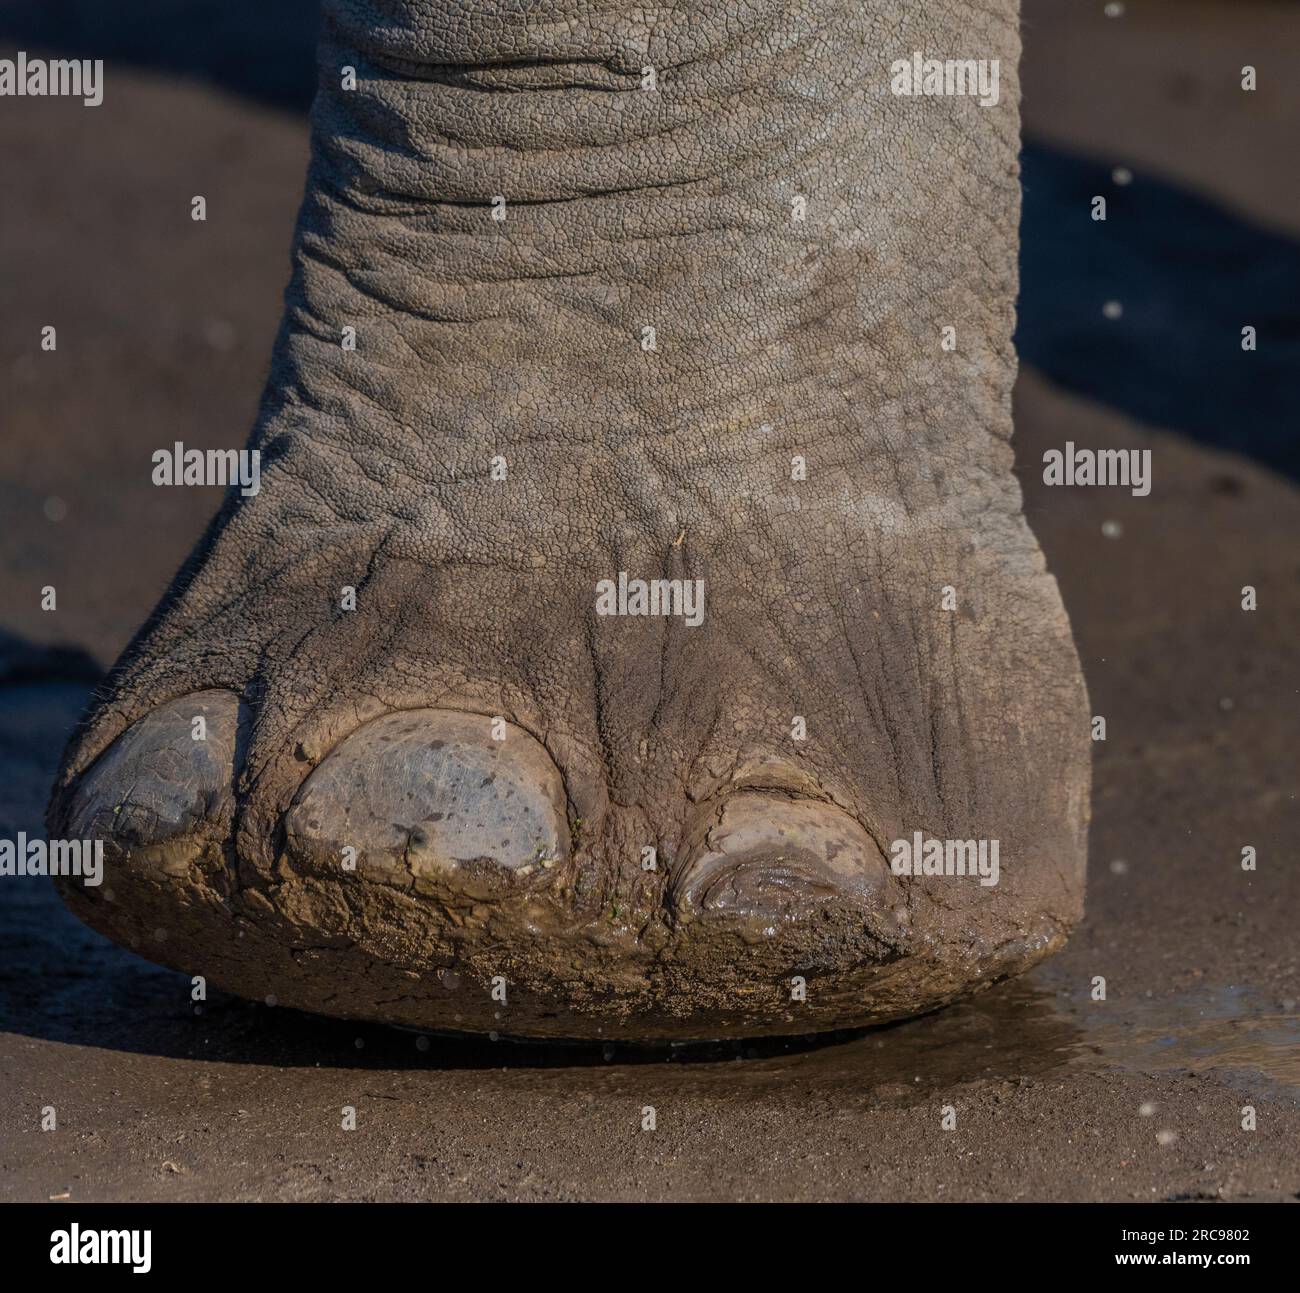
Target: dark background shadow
{"x":263,"y":49}
{"x":1189,"y":276}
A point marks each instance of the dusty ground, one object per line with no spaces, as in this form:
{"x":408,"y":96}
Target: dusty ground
{"x":164,"y":329}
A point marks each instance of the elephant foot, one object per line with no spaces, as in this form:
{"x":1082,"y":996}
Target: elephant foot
{"x":636,"y":632}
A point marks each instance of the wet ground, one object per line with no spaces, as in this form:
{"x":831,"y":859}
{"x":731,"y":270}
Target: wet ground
{"x":1055,"y":1095}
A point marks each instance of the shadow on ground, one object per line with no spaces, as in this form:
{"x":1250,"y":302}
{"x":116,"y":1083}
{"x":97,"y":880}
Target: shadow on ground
{"x":262,"y":50}
{"x":1188,"y":276}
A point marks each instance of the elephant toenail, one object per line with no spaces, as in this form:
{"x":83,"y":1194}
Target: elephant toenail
{"x":460,"y":824}
{"x":774,"y":860}
{"x":169,"y":775}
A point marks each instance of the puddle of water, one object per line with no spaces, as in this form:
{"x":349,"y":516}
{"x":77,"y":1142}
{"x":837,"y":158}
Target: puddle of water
{"x":1022,"y":1033}
{"x":1227,"y":1030}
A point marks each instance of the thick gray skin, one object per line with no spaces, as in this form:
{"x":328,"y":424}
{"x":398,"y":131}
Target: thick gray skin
{"x":776,"y":337}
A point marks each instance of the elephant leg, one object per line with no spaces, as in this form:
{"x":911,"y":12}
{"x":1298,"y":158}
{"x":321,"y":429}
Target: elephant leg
{"x":636,"y":631}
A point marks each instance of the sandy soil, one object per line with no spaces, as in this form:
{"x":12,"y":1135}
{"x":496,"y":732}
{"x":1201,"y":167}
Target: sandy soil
{"x":164,"y":329}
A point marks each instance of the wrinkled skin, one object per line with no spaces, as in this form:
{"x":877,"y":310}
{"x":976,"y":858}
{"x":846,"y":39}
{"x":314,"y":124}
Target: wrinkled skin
{"x":368,"y":734}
